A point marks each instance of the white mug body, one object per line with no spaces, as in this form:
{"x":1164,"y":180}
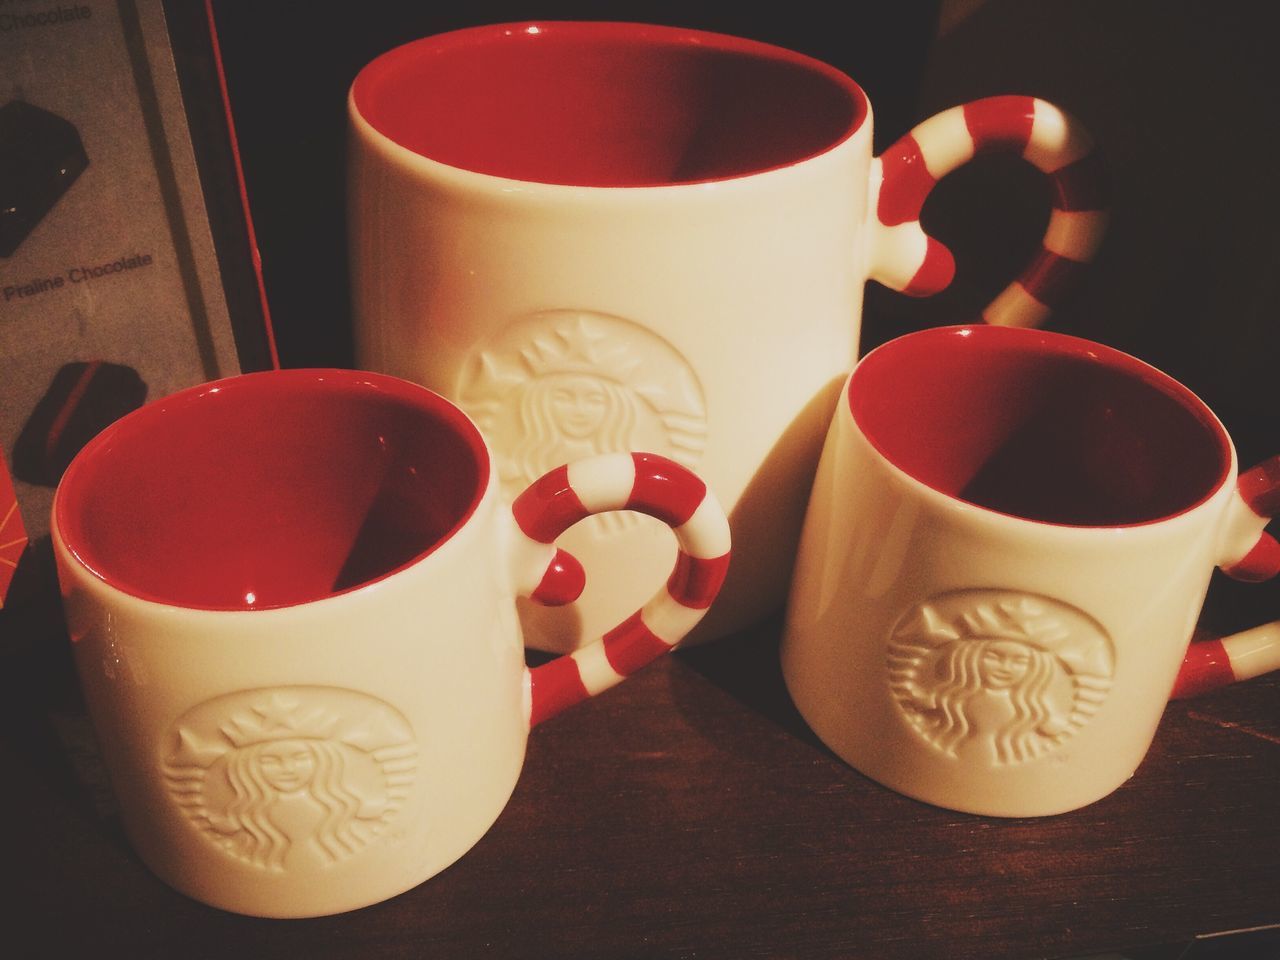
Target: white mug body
{"x":982,"y":661}
{"x":880,"y":555}
{"x":291,"y":598}
{"x":712,"y":322}
{"x":281,"y":741}
{"x":408,"y":743}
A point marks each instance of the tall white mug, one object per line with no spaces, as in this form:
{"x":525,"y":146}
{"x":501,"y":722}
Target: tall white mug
{"x":291,"y":599}
{"x":602,"y":236}
{"x":1009,"y":540}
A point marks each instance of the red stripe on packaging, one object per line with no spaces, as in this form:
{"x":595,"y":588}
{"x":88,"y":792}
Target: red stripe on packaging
{"x":906,"y":183}
{"x":74,"y":396}
{"x":665,"y":490}
{"x":632,"y":645}
{"x":997,"y":123}
{"x":695,"y":582}
{"x":548,"y":507}
{"x":13,"y":534}
{"x":555,"y":686}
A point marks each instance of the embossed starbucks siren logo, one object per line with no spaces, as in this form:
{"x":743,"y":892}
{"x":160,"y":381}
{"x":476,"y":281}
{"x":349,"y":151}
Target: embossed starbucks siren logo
{"x":1003,"y":675}
{"x":291,"y":778}
{"x":560,"y":385}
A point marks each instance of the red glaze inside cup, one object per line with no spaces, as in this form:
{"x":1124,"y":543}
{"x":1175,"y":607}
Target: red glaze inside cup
{"x":1039,"y":425}
{"x":606,"y":104}
{"x":271,"y":489}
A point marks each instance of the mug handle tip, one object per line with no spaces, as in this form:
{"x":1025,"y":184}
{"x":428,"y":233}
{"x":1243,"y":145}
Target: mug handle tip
{"x":1250,"y":554}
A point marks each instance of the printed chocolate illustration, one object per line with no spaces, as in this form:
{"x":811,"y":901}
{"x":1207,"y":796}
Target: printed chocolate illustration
{"x":997,"y":674}
{"x":40,"y":157}
{"x":292,"y":778}
{"x":82,"y":400}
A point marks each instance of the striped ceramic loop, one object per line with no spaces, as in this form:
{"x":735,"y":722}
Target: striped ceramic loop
{"x":649,"y":484}
{"x":1253,"y":554}
{"x":908,"y":260}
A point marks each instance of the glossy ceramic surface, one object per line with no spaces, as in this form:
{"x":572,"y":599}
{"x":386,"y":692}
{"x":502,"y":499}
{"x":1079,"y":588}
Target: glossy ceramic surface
{"x":291,"y":598}
{"x":314,"y":483}
{"x":595,"y":236}
{"x":526,"y":102}
{"x":1009,"y":540}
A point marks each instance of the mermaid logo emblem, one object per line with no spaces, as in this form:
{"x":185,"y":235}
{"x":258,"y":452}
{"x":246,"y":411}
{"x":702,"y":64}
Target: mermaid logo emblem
{"x":1003,"y":675}
{"x":293,"y":778}
{"x":560,"y":385}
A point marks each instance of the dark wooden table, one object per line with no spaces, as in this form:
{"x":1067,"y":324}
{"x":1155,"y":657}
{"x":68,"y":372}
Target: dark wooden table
{"x":688,"y":813}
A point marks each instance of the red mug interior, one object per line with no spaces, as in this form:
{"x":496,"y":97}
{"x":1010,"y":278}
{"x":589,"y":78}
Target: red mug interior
{"x":271,"y":489}
{"x":606,"y":104}
{"x":1039,"y":425}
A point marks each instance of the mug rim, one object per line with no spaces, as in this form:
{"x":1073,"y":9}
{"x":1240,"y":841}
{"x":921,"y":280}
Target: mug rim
{"x":649,"y":33}
{"x":1053,"y":343}
{"x":70,"y":492}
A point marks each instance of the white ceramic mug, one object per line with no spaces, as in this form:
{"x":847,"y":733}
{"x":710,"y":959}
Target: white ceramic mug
{"x":291,"y":601}
{"x":599,"y":236}
{"x":1009,"y":541}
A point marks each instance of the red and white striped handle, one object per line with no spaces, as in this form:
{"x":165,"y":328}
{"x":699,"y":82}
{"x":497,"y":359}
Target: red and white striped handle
{"x":646,"y":483}
{"x":905,"y":258}
{"x":1253,"y":555}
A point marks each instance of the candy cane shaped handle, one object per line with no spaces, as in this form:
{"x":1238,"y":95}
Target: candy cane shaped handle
{"x":906,"y":259}
{"x":646,"y":483}
{"x":1213,"y":662}
{"x":1251,"y":554}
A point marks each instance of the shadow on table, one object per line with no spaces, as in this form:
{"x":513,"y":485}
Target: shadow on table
{"x":746,"y":666}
